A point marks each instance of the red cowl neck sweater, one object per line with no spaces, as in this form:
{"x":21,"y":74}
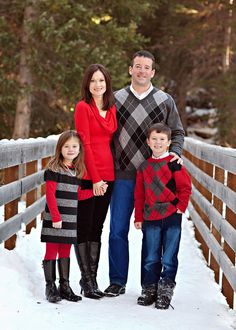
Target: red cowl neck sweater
{"x":96,"y":134}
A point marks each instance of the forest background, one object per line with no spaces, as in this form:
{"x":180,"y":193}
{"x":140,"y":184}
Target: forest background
{"x":45,"y":46}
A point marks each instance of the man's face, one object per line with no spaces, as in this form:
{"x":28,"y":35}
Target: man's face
{"x":141,"y":71}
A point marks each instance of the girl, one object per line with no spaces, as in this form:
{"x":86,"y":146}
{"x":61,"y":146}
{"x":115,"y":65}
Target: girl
{"x":59,"y":229}
{"x":95,"y":122}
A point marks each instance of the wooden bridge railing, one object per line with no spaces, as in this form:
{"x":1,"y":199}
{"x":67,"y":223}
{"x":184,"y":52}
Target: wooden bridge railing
{"x":212,"y":207}
{"x":21,"y":177}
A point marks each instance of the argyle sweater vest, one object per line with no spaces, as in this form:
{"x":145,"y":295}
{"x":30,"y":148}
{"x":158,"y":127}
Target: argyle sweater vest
{"x":161,"y":188}
{"x":134,"y":118}
{"x":67,"y":203}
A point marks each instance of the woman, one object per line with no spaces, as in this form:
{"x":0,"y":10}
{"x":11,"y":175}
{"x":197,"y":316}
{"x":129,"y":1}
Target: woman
{"x":95,"y":122}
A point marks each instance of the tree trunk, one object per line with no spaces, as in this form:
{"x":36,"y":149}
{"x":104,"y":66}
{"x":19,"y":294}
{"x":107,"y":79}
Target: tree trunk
{"x":227,"y":42}
{"x":23,"y":108}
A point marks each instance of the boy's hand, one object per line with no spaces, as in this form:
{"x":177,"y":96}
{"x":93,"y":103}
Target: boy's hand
{"x":138,"y":225}
{"x":57,"y":224}
{"x":176,"y":157}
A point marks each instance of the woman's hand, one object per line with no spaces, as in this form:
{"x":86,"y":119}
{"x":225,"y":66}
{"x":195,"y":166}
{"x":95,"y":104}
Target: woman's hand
{"x":99,"y":188}
{"x":57,"y":224}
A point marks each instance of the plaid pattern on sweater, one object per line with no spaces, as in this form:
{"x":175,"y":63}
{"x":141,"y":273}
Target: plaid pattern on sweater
{"x":134,"y":118}
{"x":161,"y":188}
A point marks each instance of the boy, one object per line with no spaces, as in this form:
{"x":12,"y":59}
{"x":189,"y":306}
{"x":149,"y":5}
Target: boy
{"x":162,"y":192}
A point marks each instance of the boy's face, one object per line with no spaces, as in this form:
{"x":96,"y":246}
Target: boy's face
{"x":158,"y":143}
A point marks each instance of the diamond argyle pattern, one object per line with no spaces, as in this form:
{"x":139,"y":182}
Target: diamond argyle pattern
{"x":134,"y":118}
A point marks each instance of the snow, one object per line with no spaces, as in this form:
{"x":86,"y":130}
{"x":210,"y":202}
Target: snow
{"x":198,"y":302}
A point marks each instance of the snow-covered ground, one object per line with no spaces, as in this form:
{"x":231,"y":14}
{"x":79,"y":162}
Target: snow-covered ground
{"x":198,"y":302}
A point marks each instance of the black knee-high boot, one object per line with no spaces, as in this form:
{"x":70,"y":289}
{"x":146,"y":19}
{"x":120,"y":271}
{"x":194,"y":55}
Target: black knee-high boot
{"x":94,"y":251}
{"x":64,"y":288}
{"x":83,"y":259}
{"x":51,"y":292}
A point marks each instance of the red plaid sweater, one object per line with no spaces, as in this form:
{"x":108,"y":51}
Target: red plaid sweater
{"x":161,"y":188}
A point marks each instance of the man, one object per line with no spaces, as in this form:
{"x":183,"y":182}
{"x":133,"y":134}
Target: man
{"x":138,"y":107}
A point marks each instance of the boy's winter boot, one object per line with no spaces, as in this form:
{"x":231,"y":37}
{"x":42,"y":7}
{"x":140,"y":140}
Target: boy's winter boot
{"x":52,"y":294}
{"x":83,"y":259}
{"x":94,"y":251}
{"x":165,"y":292}
{"x":148,"y":295}
{"x":64,"y":288}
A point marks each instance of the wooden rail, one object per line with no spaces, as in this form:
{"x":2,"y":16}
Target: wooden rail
{"x":212,"y":207}
{"x":21,"y":175}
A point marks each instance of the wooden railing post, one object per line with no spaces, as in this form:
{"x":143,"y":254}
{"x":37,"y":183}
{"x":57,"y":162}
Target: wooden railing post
{"x":10,"y":209}
{"x":43,"y":188}
{"x":218,"y":205}
{"x":31,"y":196}
{"x":227,"y":289}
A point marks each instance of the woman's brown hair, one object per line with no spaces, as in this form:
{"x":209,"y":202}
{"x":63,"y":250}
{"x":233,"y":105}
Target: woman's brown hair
{"x":57,"y":161}
{"x":108,"y":97}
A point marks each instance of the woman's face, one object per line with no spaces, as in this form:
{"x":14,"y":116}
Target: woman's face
{"x":97,"y":86}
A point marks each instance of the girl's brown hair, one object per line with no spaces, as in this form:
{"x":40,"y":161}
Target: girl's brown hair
{"x":108,"y":97}
{"x":57,"y":161}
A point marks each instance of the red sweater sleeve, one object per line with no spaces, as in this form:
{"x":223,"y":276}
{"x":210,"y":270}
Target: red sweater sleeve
{"x":51,"y":200}
{"x":83,"y":128}
{"x":183,"y":188}
{"x":139,"y":198}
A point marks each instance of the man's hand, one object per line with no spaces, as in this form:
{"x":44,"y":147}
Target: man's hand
{"x":176,"y":157}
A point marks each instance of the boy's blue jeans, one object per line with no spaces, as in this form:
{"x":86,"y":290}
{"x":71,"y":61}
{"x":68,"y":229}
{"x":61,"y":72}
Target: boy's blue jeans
{"x":160,"y":247}
{"x":122,"y":204}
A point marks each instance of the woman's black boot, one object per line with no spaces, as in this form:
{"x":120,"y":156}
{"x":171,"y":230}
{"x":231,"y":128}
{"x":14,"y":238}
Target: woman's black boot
{"x":64,"y":288}
{"x":83,"y":259}
{"x":94,"y":251}
{"x":51,"y":292}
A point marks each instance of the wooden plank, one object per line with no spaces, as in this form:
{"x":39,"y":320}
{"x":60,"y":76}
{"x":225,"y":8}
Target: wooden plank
{"x":224,"y":193}
{"x":38,"y":148}
{"x":10,"y":227}
{"x":32,"y":181}
{"x":13,"y":225}
{"x":230,"y":218}
{"x":31,"y":196}
{"x":18,"y":152}
{"x":222,"y":226}
{"x":10,"y":154}
{"x":220,"y":256}
{"x":15,"y":189}
{"x":10,"y":192}
{"x":10,"y":209}
{"x":218,"y":205}
{"x":217,"y":155}
{"x":33,"y":210}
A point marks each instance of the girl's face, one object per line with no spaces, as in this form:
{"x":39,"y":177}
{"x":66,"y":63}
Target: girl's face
{"x":97,"y":86}
{"x":70,"y":150}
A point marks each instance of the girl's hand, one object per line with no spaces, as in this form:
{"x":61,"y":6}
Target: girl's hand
{"x":57,"y":224}
{"x":99,"y":188}
{"x":138,"y":225}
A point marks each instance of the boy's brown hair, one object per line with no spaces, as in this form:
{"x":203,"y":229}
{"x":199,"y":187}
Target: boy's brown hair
{"x":159,"y":128}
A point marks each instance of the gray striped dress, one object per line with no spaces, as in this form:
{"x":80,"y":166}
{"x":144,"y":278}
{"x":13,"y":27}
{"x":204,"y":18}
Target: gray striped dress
{"x":67,"y":203}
